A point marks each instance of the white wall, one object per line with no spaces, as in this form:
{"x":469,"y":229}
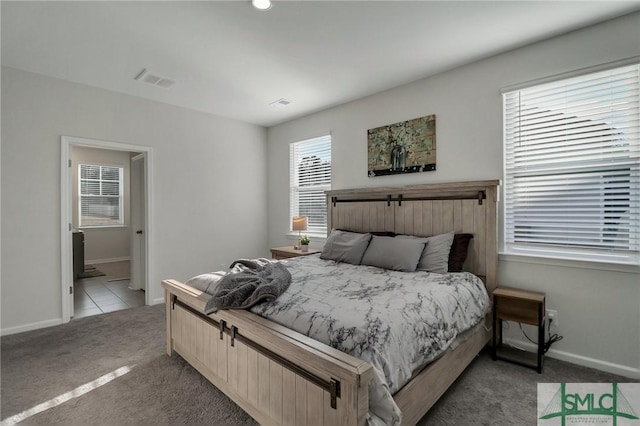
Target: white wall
{"x":102,"y":244}
{"x":598,"y":310}
{"x":208,"y":186}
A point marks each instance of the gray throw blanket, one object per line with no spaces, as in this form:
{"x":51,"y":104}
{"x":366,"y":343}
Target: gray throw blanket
{"x":248,"y":282}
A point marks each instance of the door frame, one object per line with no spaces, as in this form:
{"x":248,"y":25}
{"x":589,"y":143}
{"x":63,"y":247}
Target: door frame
{"x":137,"y":179}
{"x":66,"y":212}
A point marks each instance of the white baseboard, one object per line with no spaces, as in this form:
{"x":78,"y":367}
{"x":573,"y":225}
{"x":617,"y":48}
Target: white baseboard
{"x":29,"y":327}
{"x":606,"y":366}
{"x":49,"y":323}
{"x":111,"y":260}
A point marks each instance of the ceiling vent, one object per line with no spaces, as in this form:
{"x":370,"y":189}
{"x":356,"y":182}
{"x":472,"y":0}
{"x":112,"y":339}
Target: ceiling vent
{"x":154,"y":80}
{"x":280,"y":103}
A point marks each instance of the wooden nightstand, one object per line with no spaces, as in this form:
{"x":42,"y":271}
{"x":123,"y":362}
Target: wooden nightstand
{"x":288,"y":251}
{"x":528,"y":307}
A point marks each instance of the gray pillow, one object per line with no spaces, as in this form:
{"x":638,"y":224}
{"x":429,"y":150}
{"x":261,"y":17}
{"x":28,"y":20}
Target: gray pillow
{"x":435,"y":257}
{"x":343,"y":246}
{"x":399,"y":254}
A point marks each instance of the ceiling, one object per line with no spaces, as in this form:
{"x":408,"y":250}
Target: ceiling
{"x":229,"y":59}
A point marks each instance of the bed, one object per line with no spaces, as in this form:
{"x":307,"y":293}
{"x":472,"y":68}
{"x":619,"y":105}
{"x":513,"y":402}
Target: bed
{"x":280,"y":376}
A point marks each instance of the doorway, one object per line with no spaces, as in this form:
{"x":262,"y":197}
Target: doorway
{"x":135,"y":231}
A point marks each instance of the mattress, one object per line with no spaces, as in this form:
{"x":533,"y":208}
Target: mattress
{"x":397,"y":321}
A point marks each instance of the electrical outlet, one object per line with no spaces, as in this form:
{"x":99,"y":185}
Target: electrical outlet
{"x":552,"y":315}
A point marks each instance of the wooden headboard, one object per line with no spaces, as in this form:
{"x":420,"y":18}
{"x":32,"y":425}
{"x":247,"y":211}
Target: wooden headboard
{"x":426,"y":210}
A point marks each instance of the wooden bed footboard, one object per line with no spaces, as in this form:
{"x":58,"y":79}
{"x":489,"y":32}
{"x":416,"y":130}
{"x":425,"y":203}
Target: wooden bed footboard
{"x":276,"y":375}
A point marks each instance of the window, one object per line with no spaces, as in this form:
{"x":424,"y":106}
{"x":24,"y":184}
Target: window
{"x":100,"y":195}
{"x":310,"y":176}
{"x":572,"y":161}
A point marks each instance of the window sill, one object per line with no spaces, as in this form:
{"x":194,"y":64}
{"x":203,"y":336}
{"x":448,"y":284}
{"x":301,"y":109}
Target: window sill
{"x":106,"y":227}
{"x":566,"y":260}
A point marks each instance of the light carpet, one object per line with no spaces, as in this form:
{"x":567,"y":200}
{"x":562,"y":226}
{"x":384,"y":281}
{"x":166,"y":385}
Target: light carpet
{"x":38,"y":366}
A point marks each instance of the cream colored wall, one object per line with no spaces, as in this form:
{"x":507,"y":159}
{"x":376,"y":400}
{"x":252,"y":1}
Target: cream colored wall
{"x":598,"y":309}
{"x":208,"y":183}
{"x":102,"y":244}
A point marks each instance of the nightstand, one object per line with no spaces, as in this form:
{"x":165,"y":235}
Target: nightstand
{"x":527,"y":307}
{"x":286,"y":252}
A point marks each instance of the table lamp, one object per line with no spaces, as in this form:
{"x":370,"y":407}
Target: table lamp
{"x":299,"y":224}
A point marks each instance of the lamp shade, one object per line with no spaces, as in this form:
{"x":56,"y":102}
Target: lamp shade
{"x":299,"y":223}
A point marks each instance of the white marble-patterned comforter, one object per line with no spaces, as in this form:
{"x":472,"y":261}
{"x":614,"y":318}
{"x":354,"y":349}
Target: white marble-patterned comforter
{"x":397,"y":321}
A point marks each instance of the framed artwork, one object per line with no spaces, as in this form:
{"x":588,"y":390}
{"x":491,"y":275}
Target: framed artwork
{"x":404,"y":147}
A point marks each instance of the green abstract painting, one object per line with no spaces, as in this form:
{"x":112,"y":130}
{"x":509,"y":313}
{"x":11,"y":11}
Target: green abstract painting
{"x":404,"y":147}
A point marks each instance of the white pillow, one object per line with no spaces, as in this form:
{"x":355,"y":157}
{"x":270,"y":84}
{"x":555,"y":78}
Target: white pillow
{"x":206,"y":282}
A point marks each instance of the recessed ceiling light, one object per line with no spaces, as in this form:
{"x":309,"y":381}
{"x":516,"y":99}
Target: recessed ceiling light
{"x":261,"y":4}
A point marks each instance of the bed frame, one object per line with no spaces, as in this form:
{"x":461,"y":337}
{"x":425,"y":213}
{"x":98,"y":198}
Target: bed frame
{"x":280,"y":376}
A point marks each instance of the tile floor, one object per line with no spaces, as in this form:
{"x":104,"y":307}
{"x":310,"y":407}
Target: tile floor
{"x":93,"y":296}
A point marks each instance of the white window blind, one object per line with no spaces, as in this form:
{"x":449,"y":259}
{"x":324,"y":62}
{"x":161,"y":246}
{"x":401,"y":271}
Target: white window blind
{"x":572,"y":166}
{"x":310,"y":176}
{"x":100,"y":195}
